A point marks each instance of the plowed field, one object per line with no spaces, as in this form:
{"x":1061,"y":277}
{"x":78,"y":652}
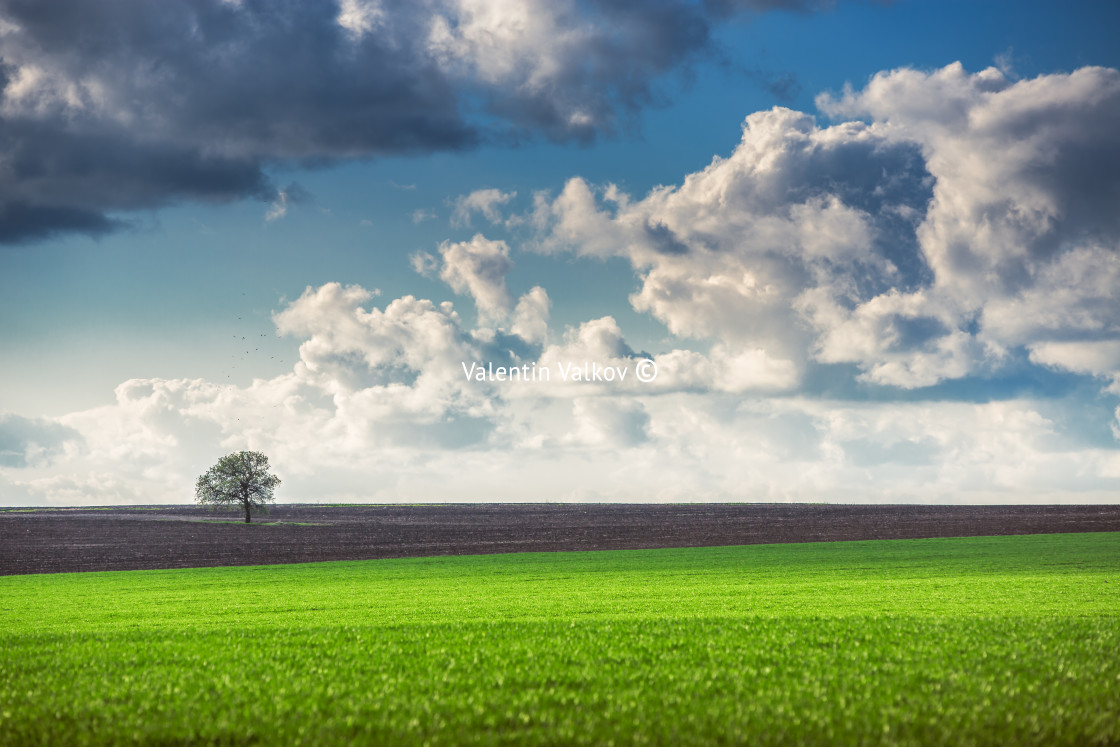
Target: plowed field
{"x":136,"y":537}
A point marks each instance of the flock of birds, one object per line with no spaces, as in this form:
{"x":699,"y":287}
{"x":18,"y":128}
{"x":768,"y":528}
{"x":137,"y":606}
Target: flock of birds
{"x":248,"y":358}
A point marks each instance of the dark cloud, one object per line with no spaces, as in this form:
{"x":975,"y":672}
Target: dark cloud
{"x":114,"y":106}
{"x":27,"y":441}
{"x":22,"y":222}
{"x":117,"y":105}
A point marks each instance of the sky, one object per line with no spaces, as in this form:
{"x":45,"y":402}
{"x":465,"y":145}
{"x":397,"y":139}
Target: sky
{"x":561,"y":250}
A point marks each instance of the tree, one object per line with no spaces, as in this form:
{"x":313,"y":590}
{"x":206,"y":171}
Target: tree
{"x":240,"y":478}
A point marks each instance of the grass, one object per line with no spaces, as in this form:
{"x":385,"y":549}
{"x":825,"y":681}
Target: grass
{"x":1004,"y":640}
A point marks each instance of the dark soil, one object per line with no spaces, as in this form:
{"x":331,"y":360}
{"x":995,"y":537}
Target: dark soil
{"x":135,"y":537}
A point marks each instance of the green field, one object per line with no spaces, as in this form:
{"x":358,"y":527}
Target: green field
{"x":1005,"y":640}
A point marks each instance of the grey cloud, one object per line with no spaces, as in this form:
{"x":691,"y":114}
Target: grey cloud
{"x":20,"y":221}
{"x":139,"y":105}
{"x":116,"y":106}
{"x":610,"y":76}
{"x":28,"y":441}
{"x":662,"y":239}
{"x":1056,"y":188}
{"x":58,"y":179}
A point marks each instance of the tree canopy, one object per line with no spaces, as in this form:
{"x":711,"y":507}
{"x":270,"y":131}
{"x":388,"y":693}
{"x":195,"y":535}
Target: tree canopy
{"x":241,"y":479}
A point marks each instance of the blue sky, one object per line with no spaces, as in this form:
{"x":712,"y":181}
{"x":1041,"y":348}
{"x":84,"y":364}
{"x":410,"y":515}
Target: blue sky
{"x":854,"y":314}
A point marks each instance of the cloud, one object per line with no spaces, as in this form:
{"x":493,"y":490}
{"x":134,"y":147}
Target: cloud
{"x":27,"y":441}
{"x":293,"y":194}
{"x":1096,"y":357}
{"x":1099,"y":358}
{"x":484,"y":201}
{"x":844,"y":303}
{"x":1024,"y":171}
{"x":722,"y":369}
{"x":727,"y":255}
{"x":1021,"y":234}
{"x":613,"y":423}
{"x":479,"y":267}
{"x":424,"y":264}
{"x":377,"y":408}
{"x":676,"y":447}
{"x":567,"y":69}
{"x":111,"y":107}
{"x":530,"y":318}
{"x":405,"y":356}
{"x":967,"y":218}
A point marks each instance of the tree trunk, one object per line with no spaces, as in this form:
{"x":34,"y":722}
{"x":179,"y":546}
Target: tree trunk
{"x":246,"y":512}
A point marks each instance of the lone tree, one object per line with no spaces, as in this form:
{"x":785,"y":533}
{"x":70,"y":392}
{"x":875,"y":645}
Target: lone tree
{"x":240,"y":478}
